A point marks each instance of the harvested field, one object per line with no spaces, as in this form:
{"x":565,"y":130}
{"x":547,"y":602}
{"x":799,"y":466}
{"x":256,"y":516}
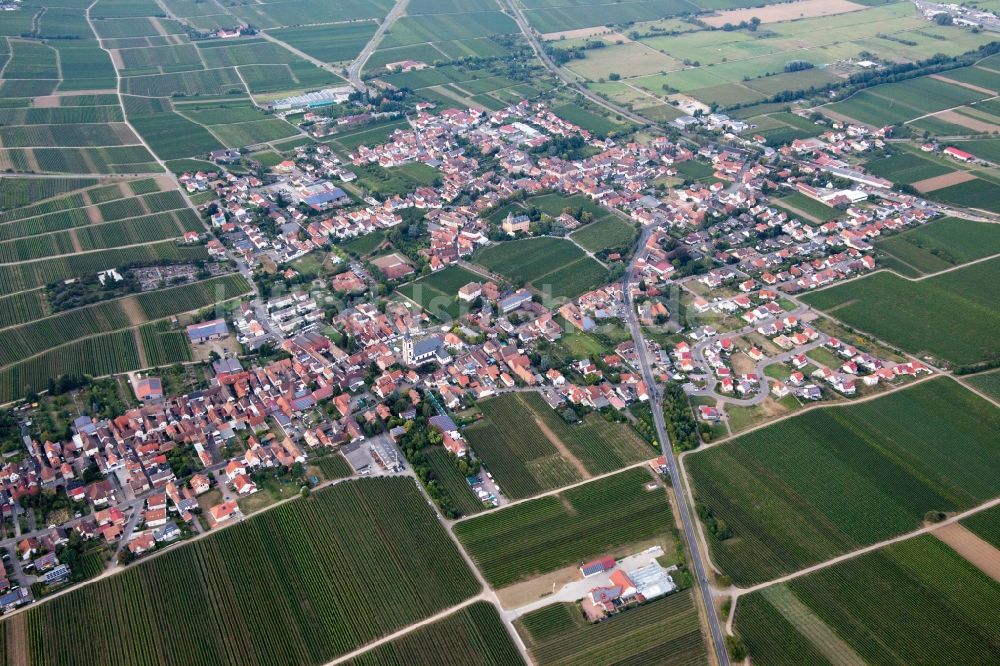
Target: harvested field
{"x":784,"y":12}
{"x":942,"y":181}
{"x":956,"y":118}
{"x":970,"y":86}
{"x":977,"y":551}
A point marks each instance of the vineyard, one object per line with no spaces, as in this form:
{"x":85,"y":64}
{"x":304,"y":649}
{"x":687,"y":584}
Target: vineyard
{"x":986,"y":525}
{"x":914,"y":602}
{"x":523,"y":461}
{"x":162,"y":345}
{"x":664,"y":631}
{"x":14,"y":278}
{"x":600,"y":445}
{"x":446,"y":473}
{"x":308,"y":580}
{"x":334,"y":467}
{"x":17,"y":192}
{"x":45,"y":334}
{"x":582,"y":523}
{"x":22,"y":307}
{"x":474,"y":636}
{"x":831,"y":480}
{"x":895,"y":310}
{"x":106,"y":354}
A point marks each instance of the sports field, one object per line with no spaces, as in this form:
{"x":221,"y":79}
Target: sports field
{"x":952,"y":316}
{"x":832,"y":480}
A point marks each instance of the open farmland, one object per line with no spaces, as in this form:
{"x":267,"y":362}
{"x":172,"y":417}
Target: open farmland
{"x":985,"y":525}
{"x":914,"y":602}
{"x":664,"y":631}
{"x":553,"y":266}
{"x":976,"y":193}
{"x":952,"y":316}
{"x":329,"y":43}
{"x":602,"y":446}
{"x":524,"y":462}
{"x":331,"y":572}
{"x":474,"y":636}
{"x":901,"y":102}
{"x":988,"y":383}
{"x":548,"y":533}
{"x":437,"y":293}
{"x":77,"y":341}
{"x":942,"y":244}
{"x":834,"y":479}
{"x":906,"y":167}
{"x":605,"y":234}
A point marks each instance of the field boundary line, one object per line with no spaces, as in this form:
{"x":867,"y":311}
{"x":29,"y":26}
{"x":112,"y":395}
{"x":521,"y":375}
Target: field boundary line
{"x":100,"y":249}
{"x":554,"y":491}
{"x":813,"y":407}
{"x":927,"y":529}
{"x":448,"y":612}
{"x":135,"y":506}
{"x":110,"y":300}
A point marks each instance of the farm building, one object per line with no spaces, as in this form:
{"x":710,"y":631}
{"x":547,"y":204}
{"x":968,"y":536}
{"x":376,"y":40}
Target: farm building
{"x":597,"y":566}
{"x":958,"y":154}
{"x":208,"y":330}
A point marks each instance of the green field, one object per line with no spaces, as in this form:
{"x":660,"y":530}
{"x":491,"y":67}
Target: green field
{"x":831,"y":480}
{"x":905,"y":167}
{"x":664,"y":631}
{"x":942,"y":244}
{"x":815,"y":209}
{"x":524,"y":462}
{"x":445,"y":473}
{"x":330,"y":573}
{"x":553,"y":266}
{"x":329,"y":43}
{"x":986,"y":525}
{"x":899,"y":102}
{"x":979,"y":193}
{"x":602,"y":446}
{"x":952,"y":316}
{"x":544,"y":534}
{"x":605,"y":234}
{"x":474,"y":636}
{"x":437,"y":293}
{"x":914,"y":602}
{"x":988,"y":383}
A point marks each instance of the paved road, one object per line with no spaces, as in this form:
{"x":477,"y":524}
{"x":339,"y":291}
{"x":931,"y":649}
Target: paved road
{"x":687,"y":520}
{"x":354,"y":70}
{"x":536,"y":46}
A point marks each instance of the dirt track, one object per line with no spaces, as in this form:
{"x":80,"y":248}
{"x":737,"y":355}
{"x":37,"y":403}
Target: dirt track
{"x":562,"y":448}
{"x":977,"y":551}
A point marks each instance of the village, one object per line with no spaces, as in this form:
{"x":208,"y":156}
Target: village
{"x":714,"y":278}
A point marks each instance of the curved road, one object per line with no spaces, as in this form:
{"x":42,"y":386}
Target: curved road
{"x":687,"y":520}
